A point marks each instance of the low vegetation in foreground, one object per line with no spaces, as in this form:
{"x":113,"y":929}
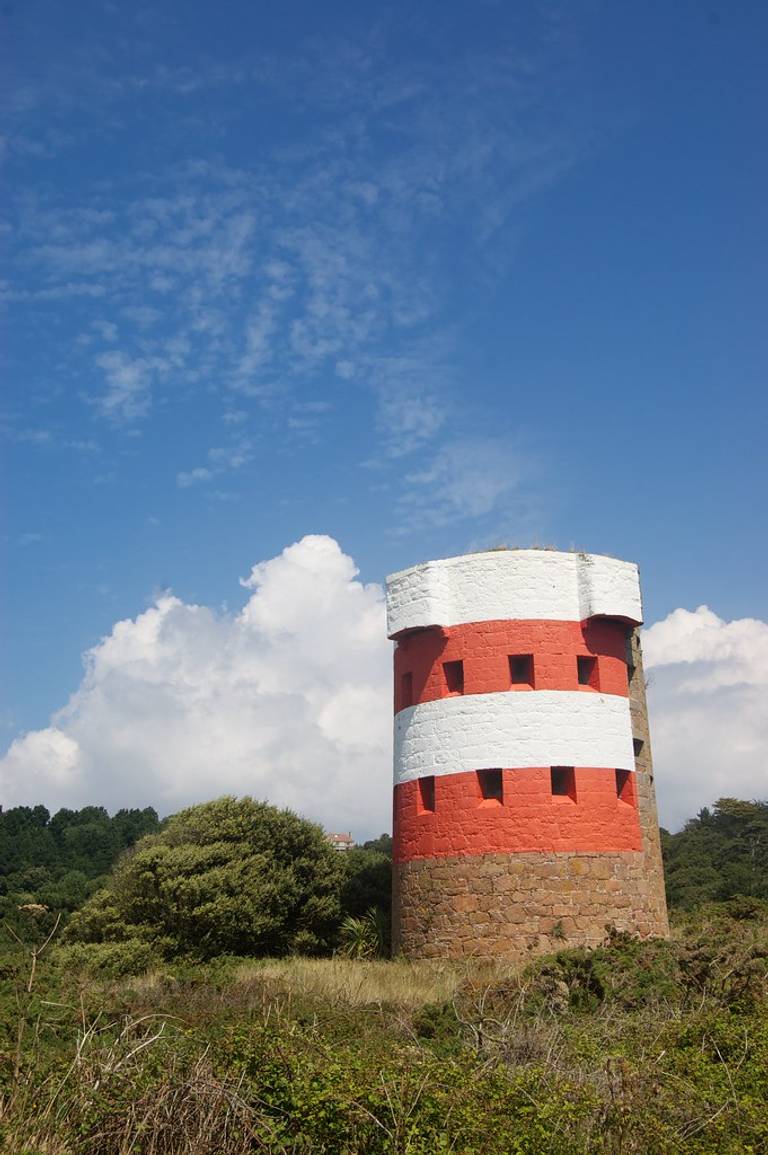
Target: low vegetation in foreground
{"x":214,"y":984}
{"x":633,"y":1047}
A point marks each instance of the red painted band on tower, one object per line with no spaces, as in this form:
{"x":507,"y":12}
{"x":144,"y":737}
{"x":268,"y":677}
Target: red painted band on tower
{"x":461,"y":814}
{"x":519,"y":656}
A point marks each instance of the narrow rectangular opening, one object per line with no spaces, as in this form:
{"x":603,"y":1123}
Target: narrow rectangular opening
{"x":630,"y":658}
{"x":521,"y":669}
{"x":563,"y":780}
{"x":426,"y":796}
{"x":587,"y":672}
{"x":491,"y":785}
{"x":454,"y":677}
{"x":406,"y":691}
{"x":637,"y":746}
{"x":624,"y":786}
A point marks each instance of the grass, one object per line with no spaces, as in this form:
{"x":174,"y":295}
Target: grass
{"x":360,"y":983}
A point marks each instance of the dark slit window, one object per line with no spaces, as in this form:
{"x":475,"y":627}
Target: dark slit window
{"x":491,"y":785}
{"x":630,"y":659}
{"x":563,"y":780}
{"x":587,"y":671}
{"x":521,"y":669}
{"x":406,"y":691}
{"x":637,"y":746}
{"x":454,"y":677}
{"x":624,"y":786}
{"x":427,"y":794}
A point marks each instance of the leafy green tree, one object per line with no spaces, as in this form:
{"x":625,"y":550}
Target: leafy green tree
{"x":233,"y":876}
{"x":66,"y":893}
{"x":367,"y":882}
{"x":382,"y":844}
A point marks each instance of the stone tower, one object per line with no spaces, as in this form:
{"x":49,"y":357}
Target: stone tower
{"x":524,"y":806}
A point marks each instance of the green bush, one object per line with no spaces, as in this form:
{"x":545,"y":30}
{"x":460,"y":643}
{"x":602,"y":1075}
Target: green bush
{"x":107,"y":959}
{"x":365,"y":937}
{"x":232,"y":876}
{"x":626,"y":971}
{"x":367,"y":881}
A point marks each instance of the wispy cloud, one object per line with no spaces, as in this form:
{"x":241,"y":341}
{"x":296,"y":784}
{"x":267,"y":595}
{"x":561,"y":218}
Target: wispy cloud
{"x":34,"y":436}
{"x":127,"y":394}
{"x":220,"y":460}
{"x":321,"y":267}
{"x":478,"y":479}
{"x":59,"y":292}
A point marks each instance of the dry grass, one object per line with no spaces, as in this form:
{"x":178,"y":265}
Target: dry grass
{"x":188,"y":1110}
{"x":363,"y":982}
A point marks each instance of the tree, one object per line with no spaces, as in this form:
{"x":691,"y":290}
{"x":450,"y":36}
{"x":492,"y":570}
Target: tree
{"x":56,"y":860}
{"x":721,"y":853}
{"x":382,"y":844}
{"x":367,"y":882}
{"x":233,"y":876}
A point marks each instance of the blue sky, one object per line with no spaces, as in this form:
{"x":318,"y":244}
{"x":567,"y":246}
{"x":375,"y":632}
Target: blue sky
{"x":420,"y":278}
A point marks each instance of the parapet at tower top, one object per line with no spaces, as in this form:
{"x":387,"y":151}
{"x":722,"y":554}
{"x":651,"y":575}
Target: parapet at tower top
{"x":504,"y":584}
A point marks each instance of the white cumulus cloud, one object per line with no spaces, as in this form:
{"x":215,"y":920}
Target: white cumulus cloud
{"x":709,"y":719}
{"x":286,"y":700}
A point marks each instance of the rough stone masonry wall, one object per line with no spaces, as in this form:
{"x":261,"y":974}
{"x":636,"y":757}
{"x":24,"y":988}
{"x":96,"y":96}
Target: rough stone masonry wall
{"x":513,"y":904}
{"x":646,"y":791}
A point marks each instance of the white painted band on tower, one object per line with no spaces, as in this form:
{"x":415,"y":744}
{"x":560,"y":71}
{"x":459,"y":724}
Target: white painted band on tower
{"x":541,"y":728}
{"x":525,"y":584}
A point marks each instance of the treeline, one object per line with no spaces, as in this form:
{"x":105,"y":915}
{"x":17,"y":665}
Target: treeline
{"x":58,"y":861}
{"x":721,"y":853}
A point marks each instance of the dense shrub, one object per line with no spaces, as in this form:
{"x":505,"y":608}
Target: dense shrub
{"x":232,"y":876}
{"x":367,"y":881}
{"x":108,"y":959}
{"x":366,"y":936}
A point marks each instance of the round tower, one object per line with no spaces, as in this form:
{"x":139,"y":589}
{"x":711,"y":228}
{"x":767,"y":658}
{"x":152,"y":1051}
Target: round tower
{"x":524,"y":806}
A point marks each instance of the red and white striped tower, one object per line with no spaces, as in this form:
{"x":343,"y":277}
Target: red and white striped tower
{"x":524,"y":807}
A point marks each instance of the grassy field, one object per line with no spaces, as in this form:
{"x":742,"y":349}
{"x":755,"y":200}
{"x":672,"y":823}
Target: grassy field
{"x":634,"y":1047}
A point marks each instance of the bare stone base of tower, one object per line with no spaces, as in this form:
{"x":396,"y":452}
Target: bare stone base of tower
{"x":502,"y":905}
